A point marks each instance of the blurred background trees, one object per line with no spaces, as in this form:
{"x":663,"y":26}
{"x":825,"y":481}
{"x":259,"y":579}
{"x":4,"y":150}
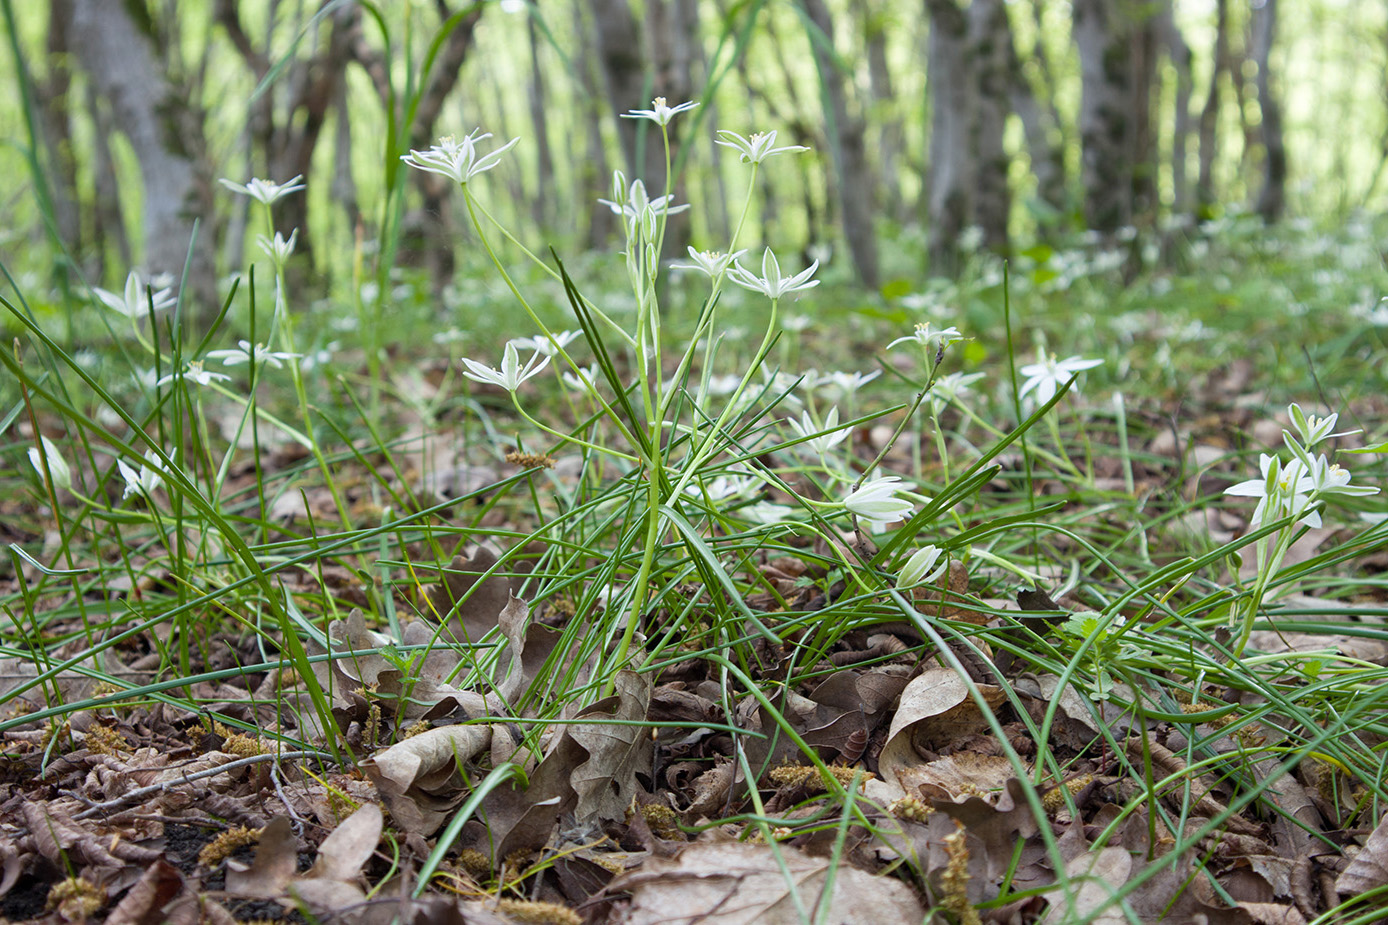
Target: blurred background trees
{"x":992,"y":123}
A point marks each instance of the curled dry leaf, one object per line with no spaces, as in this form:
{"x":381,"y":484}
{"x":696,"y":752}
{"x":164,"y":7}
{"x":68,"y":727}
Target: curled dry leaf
{"x":732,"y":883}
{"x":420,"y":778}
{"x":935,"y":709}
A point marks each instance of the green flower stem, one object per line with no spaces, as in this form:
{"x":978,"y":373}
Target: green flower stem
{"x":554,"y":274}
{"x":569,"y":438}
{"x":1267,"y":568}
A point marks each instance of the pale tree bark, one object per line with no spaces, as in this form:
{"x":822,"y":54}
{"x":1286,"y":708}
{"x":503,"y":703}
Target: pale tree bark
{"x":876,"y":25}
{"x":950,"y":175}
{"x":970,"y":79}
{"x":1205,"y":198}
{"x":849,"y":148}
{"x":1045,"y":141}
{"x":593,"y":180}
{"x":990,"y":40}
{"x":165,"y":131}
{"x":1272,"y":198}
{"x":1180,"y":55}
{"x":542,"y":202}
{"x":1117,"y":65}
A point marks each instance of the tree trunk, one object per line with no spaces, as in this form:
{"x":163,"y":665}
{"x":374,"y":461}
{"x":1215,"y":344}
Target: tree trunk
{"x":543,"y":198}
{"x":849,"y":148}
{"x":166,"y":133}
{"x":876,"y":26}
{"x":1117,"y":70}
{"x":1180,"y":55}
{"x":989,"y":44}
{"x":1209,"y":115}
{"x":1272,"y":200}
{"x":53,"y":97}
{"x":1045,"y":143}
{"x":623,"y":61}
{"x":950,"y":176}
{"x":594,"y":176}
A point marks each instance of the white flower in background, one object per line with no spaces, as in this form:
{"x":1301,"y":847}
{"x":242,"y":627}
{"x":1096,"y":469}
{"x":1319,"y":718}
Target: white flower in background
{"x":825,"y":442}
{"x":1282,"y":491}
{"x":921,"y":567}
{"x":279,"y":250}
{"x":57,"y":466}
{"x":660,"y":112}
{"x":513,"y":6}
{"x":796,"y":323}
{"x":582,"y":381}
{"x":771,"y":283}
{"x":143,"y":480}
{"x":137,"y":299}
{"x":766,"y":513}
{"x":195,"y":372}
{"x":243,"y":352}
{"x":723,"y":487}
{"x":456,"y":159}
{"x":266,"y":191}
{"x":636,"y":206}
{"x":876,"y":501}
{"x":951,"y":388}
{"x":758,"y":148}
{"x":511,"y":374}
{"x":710,"y":263}
{"x":545,"y":345}
{"x":782,"y":386}
{"x":723,"y":385}
{"x":1048,"y":374}
{"x":837,"y":386}
{"x":929,"y":337}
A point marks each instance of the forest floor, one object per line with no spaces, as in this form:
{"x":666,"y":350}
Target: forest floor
{"x":359,"y":678}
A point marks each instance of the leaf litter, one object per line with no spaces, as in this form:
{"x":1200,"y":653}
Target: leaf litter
{"x":678,"y":797}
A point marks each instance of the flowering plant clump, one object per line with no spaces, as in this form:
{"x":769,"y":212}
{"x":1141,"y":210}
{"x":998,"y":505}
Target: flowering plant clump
{"x":1290,"y":490}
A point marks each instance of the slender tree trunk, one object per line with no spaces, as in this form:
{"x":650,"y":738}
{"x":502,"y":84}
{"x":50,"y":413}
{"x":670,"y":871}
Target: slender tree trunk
{"x":846,"y":133}
{"x":1205,"y":198}
{"x":1045,"y":143}
{"x":166,"y":133}
{"x":542,"y":201}
{"x":876,"y":26}
{"x":989,"y":44}
{"x":623,"y":61}
{"x":1116,"y":46}
{"x":54,"y":103}
{"x":1180,"y":55}
{"x":108,"y":231}
{"x":594,"y":173}
{"x":1272,"y":199}
{"x":950,"y":176}
{"x":670,"y":39}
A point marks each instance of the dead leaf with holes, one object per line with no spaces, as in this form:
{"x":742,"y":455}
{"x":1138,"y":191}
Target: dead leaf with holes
{"x":741,"y":883}
{"x":618,"y":749}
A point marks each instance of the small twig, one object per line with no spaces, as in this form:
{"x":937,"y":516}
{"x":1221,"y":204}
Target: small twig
{"x":139,"y":794}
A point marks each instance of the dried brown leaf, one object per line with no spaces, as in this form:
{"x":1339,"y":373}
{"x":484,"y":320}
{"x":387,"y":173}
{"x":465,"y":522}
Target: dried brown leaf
{"x":606,"y":782}
{"x":732,"y":883}
{"x":935,"y":709}
{"x":349,"y":846}
{"x":276,"y":860}
{"x":1369,"y":869}
{"x":419,"y":779}
{"x":144,"y":904}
